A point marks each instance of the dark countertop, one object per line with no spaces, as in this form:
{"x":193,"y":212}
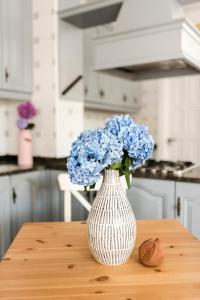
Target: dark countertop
{"x":192,"y":176}
{"x":8,"y":166}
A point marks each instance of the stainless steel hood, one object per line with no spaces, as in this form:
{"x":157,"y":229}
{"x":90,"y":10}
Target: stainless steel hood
{"x":151,"y":39}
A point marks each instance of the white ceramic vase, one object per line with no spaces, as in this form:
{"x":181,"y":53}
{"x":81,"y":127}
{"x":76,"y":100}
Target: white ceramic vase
{"x":111,"y":223}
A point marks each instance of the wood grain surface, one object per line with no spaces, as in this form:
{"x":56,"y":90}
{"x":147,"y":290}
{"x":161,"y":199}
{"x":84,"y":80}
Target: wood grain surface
{"x":52,"y":261}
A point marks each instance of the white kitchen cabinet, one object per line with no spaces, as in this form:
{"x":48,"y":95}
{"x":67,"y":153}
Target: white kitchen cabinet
{"x":22,"y":201}
{"x":56,"y":197}
{"x":152,"y":199}
{"x":31,"y":200}
{"x":104,"y":91}
{"x":29,"y":197}
{"x":70,"y":62}
{"x":16,"y":49}
{"x":41,"y":204}
{"x":5,"y":215}
{"x":188,"y":206}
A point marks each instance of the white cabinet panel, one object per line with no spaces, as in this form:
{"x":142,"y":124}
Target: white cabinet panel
{"x":179,"y":139}
{"x":56,"y":197}
{"x":152,"y":199}
{"x":70,"y":59}
{"x":104,"y":91}
{"x":42,"y":208}
{"x":5,"y":215}
{"x":188,"y":201}
{"x":16,"y":48}
{"x":2,"y":24}
{"x":31,"y":200}
{"x":22,"y":209}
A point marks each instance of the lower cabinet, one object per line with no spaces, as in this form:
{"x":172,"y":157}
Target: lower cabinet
{"x":56,"y":197}
{"x":79,"y":213}
{"x":36,"y":197}
{"x":158,"y":199}
{"x":5,"y":215}
{"x":188,"y":206}
{"x":28,"y":197}
{"x":152,"y":199}
{"x":22,"y":201}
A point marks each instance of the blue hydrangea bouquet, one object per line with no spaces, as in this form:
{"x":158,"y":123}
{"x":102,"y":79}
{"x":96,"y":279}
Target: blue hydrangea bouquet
{"x":122,"y":145}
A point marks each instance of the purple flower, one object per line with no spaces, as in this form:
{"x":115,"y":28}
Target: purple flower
{"x":26,"y":110}
{"x":22,"y":123}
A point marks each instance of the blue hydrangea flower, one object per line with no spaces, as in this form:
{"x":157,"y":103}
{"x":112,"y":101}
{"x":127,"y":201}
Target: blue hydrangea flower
{"x":135,"y":138}
{"x":138,"y":143}
{"x":22,"y":123}
{"x":118,"y":124}
{"x":93,"y":151}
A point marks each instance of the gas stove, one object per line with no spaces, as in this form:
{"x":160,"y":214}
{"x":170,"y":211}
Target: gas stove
{"x":165,"y":167}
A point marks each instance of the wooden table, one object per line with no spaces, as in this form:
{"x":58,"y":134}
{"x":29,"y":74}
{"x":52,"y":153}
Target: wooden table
{"x":52,"y":261}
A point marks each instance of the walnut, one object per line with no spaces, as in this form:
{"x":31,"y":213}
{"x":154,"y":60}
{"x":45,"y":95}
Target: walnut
{"x":151,"y":253}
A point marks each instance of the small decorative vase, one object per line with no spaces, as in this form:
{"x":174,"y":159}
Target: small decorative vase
{"x":111,"y":223}
{"x":25,"y":155}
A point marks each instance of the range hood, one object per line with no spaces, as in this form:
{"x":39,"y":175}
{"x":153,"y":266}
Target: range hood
{"x":150,"y":39}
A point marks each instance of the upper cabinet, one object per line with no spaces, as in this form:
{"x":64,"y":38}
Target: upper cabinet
{"x":15,"y":49}
{"x":77,"y":78}
{"x":104,"y":91}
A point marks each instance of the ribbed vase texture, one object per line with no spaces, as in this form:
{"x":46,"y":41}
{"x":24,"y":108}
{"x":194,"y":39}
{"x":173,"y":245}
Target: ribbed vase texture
{"x":111,"y":223}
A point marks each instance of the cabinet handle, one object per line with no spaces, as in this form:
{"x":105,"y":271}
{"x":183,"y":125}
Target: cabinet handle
{"x":86,"y":90}
{"x":101,"y":93}
{"x":178,"y":207}
{"x":171,"y":140}
{"x":14,"y":195}
{"x":7,"y":75}
{"x":124,"y":98}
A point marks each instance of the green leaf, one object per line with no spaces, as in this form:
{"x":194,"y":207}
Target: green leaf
{"x":127,"y":176}
{"x":92,"y":186}
{"x":30,"y":126}
{"x":128,"y":162}
{"x":116,"y":166}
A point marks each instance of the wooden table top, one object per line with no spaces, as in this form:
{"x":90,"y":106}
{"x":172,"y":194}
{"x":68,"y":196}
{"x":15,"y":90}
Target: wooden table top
{"x":52,"y":261}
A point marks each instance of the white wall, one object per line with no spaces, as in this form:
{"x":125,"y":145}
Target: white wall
{"x":4,"y":127}
{"x":148,"y":115}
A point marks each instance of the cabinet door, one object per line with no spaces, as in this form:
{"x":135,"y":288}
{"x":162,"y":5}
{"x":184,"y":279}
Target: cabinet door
{"x":5,"y":215}
{"x":56,"y":197}
{"x":105,"y":91}
{"x":41,"y":196}
{"x":17,"y":45}
{"x":188,"y":206}
{"x":31,"y":199}
{"x":130,"y":95}
{"x":2,"y":20}
{"x":152,"y":199}
{"x":22,"y":202}
{"x":79,"y":213}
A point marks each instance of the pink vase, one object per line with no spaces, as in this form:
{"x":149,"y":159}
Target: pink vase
{"x":25,"y":154}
